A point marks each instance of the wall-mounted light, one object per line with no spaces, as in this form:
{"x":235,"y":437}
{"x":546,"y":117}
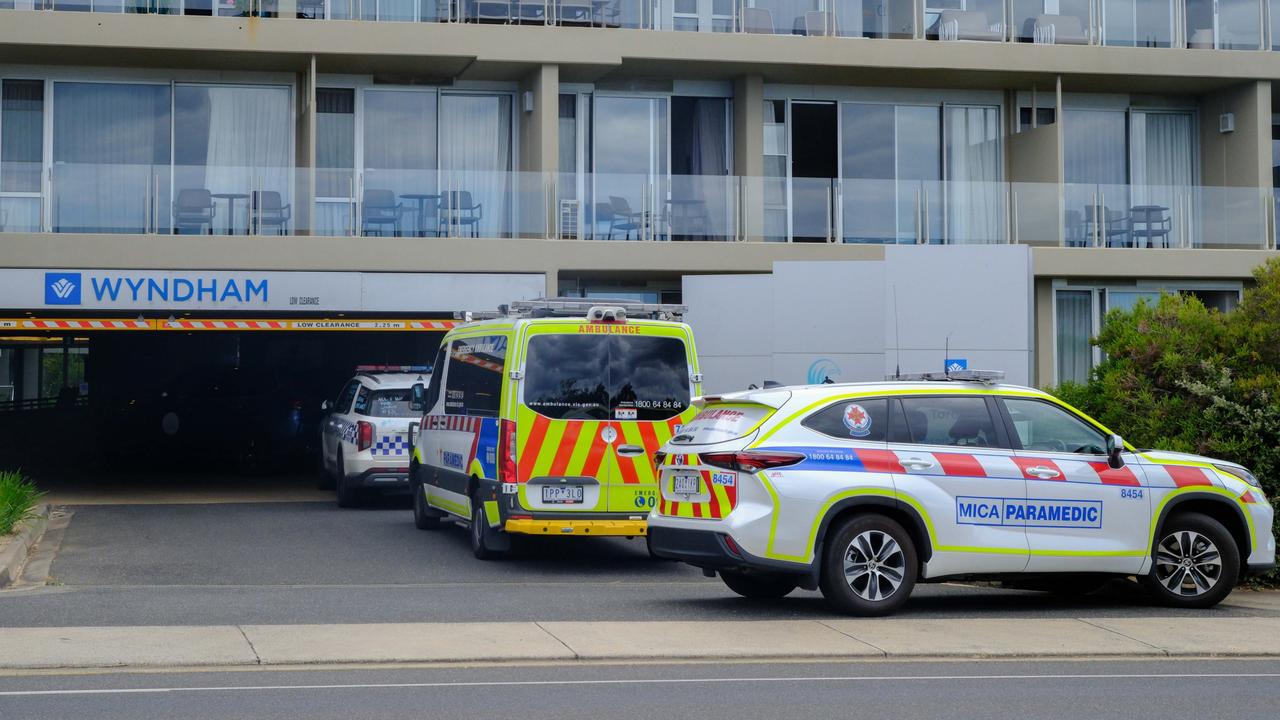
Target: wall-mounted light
{"x":1227,"y":123}
{"x":526,"y":99}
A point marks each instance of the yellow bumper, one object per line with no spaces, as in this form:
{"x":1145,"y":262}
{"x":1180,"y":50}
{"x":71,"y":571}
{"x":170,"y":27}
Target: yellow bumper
{"x":629,"y":528}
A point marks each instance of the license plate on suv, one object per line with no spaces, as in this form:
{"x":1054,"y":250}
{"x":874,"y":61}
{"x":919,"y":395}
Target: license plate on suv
{"x":562,"y":494}
{"x":686,"y":484}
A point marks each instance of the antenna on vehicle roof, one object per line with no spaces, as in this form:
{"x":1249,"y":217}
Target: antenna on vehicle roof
{"x":946,"y":353}
{"x":897,"y":343}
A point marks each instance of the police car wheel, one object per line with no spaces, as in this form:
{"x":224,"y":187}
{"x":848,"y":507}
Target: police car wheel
{"x":758,"y":586}
{"x":480,"y":532}
{"x":869,"y":566}
{"x":1195,"y":562}
{"x":346,"y":495}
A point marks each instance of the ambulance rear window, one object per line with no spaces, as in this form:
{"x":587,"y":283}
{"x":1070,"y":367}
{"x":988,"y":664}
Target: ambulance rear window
{"x":722,"y":421}
{"x":607,"y":377}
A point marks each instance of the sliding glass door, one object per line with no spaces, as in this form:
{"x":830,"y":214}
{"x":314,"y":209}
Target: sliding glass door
{"x":475,"y":164}
{"x":400,"y":186}
{"x":21,"y":155}
{"x":111,"y":155}
{"x":631,"y":157}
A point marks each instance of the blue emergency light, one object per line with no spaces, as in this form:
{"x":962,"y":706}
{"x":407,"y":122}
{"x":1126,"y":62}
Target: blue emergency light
{"x":393,"y":368}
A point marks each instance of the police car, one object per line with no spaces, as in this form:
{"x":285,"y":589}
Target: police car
{"x":364,"y":439}
{"x":862,"y":490}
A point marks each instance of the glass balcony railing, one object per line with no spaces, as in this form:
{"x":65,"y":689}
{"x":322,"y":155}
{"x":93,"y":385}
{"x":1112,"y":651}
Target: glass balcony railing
{"x":1208,"y":24}
{"x":457,"y":203}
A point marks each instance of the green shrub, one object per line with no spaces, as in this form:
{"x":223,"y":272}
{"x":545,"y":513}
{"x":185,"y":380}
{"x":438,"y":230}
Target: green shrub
{"x":1178,"y":376}
{"x":18,"y":497}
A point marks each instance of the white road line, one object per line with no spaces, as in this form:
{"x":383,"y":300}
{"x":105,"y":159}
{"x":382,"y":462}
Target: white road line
{"x":633,"y":681}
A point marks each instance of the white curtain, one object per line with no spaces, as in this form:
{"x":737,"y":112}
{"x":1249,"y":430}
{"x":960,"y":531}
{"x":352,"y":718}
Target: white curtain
{"x":974,"y":193}
{"x":475,"y":156}
{"x":1163,"y":167}
{"x":1074,"y":309}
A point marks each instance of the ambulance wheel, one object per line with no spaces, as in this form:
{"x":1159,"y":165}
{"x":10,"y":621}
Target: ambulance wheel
{"x":758,"y":586}
{"x":482,"y":540}
{"x":424,"y":516}
{"x":1194,"y":563}
{"x":869,"y":566}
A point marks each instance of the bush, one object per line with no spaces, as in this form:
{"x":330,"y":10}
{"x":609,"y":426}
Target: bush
{"x":18,"y":497}
{"x":1178,"y":376}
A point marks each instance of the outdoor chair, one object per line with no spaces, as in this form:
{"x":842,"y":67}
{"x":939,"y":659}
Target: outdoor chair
{"x":193,"y":208}
{"x":968,"y":25}
{"x":378,"y":210}
{"x":460,"y":210}
{"x":1059,"y":30}
{"x":817,"y":23}
{"x":624,"y":218}
{"x":758,"y":21}
{"x":268,"y":209}
{"x":1148,"y":224}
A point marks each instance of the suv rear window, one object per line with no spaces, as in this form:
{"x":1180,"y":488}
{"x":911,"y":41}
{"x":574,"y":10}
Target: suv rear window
{"x":602,"y":377}
{"x":391,"y":403}
{"x":719,"y":422}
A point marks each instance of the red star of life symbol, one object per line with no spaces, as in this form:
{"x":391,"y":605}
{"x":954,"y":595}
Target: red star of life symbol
{"x":856,"y":414}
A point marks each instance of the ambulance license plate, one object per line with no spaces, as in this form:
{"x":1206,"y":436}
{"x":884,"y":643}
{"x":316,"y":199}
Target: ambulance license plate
{"x":686,"y":484}
{"x":562,"y":494}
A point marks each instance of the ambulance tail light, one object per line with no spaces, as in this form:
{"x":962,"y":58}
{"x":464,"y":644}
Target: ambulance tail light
{"x":364,"y":435}
{"x":752,"y":462}
{"x":507,"y":451}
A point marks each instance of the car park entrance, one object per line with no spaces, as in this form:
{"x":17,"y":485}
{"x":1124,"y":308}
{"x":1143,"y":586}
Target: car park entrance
{"x":92,"y":396}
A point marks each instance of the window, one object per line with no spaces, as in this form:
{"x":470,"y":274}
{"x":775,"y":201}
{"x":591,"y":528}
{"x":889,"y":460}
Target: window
{"x":852,"y":420}
{"x":474,"y":382}
{"x":599,"y":377}
{"x":343,"y":403}
{"x":437,"y":377}
{"x":335,"y":141}
{"x":389,"y":403}
{"x":959,"y":421}
{"x":1074,"y":328}
{"x":21,"y":135}
{"x":1043,"y":426}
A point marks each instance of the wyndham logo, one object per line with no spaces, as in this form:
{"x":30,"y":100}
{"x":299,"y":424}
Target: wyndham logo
{"x":821,"y":371}
{"x":61,"y":288}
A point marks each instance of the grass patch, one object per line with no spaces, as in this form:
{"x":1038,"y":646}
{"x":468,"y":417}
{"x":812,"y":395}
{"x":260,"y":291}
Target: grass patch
{"x":18,"y":497}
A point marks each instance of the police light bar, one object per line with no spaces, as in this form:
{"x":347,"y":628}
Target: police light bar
{"x":393,"y":368}
{"x":981,"y":376}
{"x":588,"y":307}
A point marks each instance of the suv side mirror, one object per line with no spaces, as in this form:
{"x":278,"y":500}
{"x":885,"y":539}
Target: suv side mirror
{"x":325,"y":406}
{"x":418,"y":402}
{"x":1115,"y":446}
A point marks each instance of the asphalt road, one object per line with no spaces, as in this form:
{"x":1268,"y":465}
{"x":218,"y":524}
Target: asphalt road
{"x":992,"y":690}
{"x":285,"y":563}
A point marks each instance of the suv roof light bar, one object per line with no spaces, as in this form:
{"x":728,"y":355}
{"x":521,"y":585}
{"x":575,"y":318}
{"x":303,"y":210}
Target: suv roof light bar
{"x":987,"y":377}
{"x":370,"y":369}
{"x":577,"y":307}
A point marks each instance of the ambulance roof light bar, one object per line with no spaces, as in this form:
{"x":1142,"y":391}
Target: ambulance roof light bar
{"x":393,"y":368}
{"x":582,"y":307}
{"x":987,"y":377}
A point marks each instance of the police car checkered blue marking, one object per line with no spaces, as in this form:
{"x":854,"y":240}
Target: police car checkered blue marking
{"x":391,"y":445}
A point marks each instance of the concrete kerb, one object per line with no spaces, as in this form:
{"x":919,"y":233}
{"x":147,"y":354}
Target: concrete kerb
{"x":787,"y":640}
{"x":13,"y":554}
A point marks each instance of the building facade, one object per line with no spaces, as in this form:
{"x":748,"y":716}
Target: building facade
{"x":614,"y":147}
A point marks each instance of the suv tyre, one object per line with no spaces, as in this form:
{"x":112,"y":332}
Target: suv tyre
{"x":1195,"y":562}
{"x":869,"y":566}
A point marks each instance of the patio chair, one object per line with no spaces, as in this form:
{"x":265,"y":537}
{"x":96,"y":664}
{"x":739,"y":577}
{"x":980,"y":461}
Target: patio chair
{"x":758,"y":21}
{"x":1059,"y":30}
{"x":193,"y":208}
{"x":817,"y":23}
{"x":1149,"y":223}
{"x":624,"y":218}
{"x":459,"y":209}
{"x":268,"y":209}
{"x":378,"y":210}
{"x":968,"y":25}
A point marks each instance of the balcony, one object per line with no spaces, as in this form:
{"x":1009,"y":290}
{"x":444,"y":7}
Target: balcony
{"x":457,"y":203}
{"x":1197,"y":24}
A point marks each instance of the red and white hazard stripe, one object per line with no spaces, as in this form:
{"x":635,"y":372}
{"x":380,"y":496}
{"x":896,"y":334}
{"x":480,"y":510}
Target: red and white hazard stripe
{"x":431,"y":324}
{"x":87,"y":324}
{"x":227,"y":324}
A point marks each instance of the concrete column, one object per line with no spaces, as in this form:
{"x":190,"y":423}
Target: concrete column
{"x":539,"y":157}
{"x":748,"y":153}
{"x":305,"y":150}
{"x":1237,"y":159}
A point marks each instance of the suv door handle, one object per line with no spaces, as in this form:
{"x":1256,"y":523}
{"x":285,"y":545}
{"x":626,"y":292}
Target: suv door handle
{"x":1043,"y":472}
{"x":918,"y":463}
{"x":630,"y":450}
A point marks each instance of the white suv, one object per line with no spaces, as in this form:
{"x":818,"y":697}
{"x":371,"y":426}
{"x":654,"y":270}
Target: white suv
{"x":365,"y":438}
{"x":864,"y":489}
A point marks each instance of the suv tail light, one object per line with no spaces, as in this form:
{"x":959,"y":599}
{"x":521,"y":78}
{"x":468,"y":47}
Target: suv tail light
{"x":507,"y":451}
{"x":751,"y":462}
{"x":364,"y":435}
